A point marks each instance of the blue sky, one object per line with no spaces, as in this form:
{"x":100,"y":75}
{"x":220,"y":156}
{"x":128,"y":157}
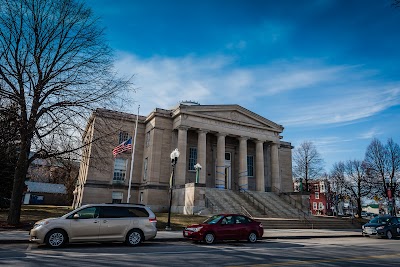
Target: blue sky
{"x":327,"y":70}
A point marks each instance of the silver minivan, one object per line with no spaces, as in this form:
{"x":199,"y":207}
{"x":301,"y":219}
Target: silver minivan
{"x":129,"y":223}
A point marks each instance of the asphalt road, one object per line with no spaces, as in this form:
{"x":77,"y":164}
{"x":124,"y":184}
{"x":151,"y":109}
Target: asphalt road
{"x":353,"y":251}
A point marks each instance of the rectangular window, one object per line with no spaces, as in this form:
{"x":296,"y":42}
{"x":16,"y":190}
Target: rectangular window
{"x":119,"y":170}
{"x":320,"y":206}
{"x":250,"y":166}
{"x":145,"y":164}
{"x":314,"y":205}
{"x":123,"y":136}
{"x":316,"y":195}
{"x":141,"y":197}
{"x":316,"y":189}
{"x":322,"y":188}
{"x":117,"y":197}
{"x":148,"y":139}
{"x":192,"y":158}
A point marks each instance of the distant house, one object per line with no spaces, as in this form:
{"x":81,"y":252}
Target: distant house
{"x":45,"y":194}
{"x":320,"y":197}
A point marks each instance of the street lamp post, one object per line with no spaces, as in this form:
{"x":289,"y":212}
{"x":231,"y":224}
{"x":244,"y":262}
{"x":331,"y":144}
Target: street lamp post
{"x":197,"y":168}
{"x":174,"y":159}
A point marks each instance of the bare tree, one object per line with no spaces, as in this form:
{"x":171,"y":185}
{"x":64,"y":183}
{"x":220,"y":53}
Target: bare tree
{"x":383,"y":163}
{"x":56,"y":67}
{"x":358,"y":184}
{"x":8,"y":149}
{"x":308,"y":163}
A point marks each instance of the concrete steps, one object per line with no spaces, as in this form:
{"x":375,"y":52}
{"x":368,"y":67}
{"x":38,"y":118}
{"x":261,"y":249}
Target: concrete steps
{"x":278,"y":213}
{"x":312,"y":223}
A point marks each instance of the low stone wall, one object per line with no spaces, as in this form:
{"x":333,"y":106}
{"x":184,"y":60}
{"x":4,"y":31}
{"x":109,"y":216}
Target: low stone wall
{"x":189,"y":199}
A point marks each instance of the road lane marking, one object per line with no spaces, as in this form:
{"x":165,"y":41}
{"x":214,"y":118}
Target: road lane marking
{"x":305,"y":262}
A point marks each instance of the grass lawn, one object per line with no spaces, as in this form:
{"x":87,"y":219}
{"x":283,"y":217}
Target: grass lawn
{"x":32,"y":213}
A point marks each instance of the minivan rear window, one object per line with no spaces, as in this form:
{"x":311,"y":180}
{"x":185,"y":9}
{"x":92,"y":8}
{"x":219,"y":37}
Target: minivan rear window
{"x":139,"y":212}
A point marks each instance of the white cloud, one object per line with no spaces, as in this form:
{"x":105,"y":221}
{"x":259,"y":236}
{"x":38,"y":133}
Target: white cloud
{"x":348,"y":105}
{"x":304,"y":92}
{"x":371,"y":133}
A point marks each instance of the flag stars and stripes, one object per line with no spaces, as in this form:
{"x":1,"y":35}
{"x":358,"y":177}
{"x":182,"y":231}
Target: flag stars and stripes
{"x":124,"y":146}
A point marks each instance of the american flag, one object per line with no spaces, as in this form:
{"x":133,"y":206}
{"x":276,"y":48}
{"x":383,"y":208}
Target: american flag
{"x":127,"y":145}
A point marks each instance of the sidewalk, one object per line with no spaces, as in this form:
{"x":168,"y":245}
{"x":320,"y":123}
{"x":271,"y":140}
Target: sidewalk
{"x":11,"y":237}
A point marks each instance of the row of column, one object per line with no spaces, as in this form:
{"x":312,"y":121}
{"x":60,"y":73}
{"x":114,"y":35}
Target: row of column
{"x":220,"y":164}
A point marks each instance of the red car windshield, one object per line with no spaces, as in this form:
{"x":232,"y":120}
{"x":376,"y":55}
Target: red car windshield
{"x":213,"y":219}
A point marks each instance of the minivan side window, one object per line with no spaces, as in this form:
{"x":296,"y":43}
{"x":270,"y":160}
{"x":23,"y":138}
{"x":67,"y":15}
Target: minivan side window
{"x":87,"y":213}
{"x":114,"y":212}
{"x":122,"y":212}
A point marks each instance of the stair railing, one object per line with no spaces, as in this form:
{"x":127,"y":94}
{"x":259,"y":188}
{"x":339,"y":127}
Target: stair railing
{"x":245,"y":212}
{"x":302,"y":215}
{"x":209,"y":204}
{"x":257,"y":203}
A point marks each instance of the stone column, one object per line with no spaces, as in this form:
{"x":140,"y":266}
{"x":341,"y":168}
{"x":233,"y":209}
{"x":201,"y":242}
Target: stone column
{"x":260,"y":179}
{"x":243,"y":178}
{"x":220,"y":177}
{"x":201,"y":154}
{"x":180,"y":171}
{"x":276,"y":179}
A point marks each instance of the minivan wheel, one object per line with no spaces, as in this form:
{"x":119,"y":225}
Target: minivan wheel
{"x":252,"y":237}
{"x":134,"y":238}
{"x":56,"y":238}
{"x":389,"y":234}
{"x":209,"y":238}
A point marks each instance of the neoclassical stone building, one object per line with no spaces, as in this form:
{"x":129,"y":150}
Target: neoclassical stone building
{"x":237,"y":149}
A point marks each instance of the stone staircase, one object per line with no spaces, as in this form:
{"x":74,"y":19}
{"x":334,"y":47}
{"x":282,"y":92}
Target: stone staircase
{"x":228,"y":201}
{"x":313,"y":222}
{"x":271,"y":210}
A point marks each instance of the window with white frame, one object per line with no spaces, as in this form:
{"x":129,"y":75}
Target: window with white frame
{"x":320,"y":206}
{"x":119,"y":170}
{"x":192,"y":158}
{"x":123,"y":136}
{"x":117,"y":197}
{"x":316,"y":189}
{"x":314,"y":205}
{"x":250,"y":166}
{"x":145,"y":166}
{"x":316,"y":195}
{"x":322,"y":188}
{"x":141,"y":197}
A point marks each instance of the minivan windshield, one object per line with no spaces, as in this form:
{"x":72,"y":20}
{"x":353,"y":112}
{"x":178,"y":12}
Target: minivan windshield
{"x":213,"y":219}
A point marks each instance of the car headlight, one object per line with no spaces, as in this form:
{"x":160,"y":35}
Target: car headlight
{"x":380,"y":227}
{"x":194,"y":229}
{"x":40,"y":223}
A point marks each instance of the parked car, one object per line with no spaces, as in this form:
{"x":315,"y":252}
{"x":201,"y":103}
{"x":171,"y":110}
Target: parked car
{"x":225,"y":227}
{"x":382,"y":226}
{"x":127,"y":223}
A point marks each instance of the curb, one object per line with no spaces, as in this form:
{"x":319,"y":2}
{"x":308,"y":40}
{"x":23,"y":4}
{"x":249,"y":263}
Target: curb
{"x":179,"y":239}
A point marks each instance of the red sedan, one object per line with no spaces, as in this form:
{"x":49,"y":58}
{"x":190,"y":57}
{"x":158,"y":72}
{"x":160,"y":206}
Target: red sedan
{"x":225,"y":227}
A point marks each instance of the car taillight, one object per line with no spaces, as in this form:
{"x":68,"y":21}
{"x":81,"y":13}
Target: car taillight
{"x":153,"y":220}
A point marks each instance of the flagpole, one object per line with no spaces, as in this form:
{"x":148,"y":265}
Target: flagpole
{"x":133,"y":156}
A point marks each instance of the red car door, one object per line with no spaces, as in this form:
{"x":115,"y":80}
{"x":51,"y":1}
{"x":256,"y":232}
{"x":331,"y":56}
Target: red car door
{"x":226,"y":228}
{"x":243,"y":228}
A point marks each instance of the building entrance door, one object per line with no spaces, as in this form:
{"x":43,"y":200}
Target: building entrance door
{"x":228,"y":170}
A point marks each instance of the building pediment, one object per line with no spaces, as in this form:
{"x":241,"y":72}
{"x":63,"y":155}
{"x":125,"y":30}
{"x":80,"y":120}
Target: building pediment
{"x":233,"y":114}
